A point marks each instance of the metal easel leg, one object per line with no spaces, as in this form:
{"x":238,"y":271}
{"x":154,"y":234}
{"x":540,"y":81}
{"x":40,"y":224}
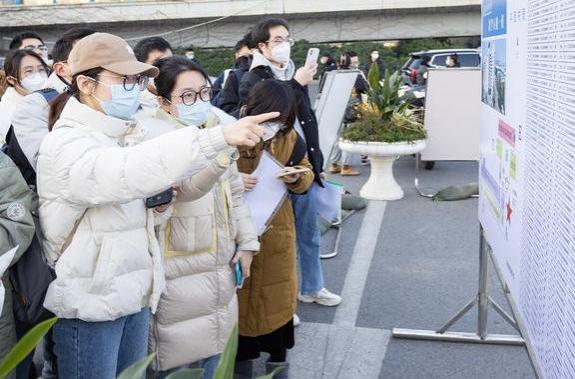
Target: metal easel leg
{"x":339,"y":226}
{"x":483,"y":301}
{"x":416,"y":180}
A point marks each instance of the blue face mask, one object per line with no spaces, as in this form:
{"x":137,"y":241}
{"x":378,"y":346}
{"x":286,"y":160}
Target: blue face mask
{"x":123,"y":104}
{"x":195,"y":114}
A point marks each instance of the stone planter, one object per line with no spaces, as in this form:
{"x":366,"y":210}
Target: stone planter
{"x":381,"y":184}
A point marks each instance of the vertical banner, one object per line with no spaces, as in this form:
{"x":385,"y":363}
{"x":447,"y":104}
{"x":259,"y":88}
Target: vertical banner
{"x":527,"y":167}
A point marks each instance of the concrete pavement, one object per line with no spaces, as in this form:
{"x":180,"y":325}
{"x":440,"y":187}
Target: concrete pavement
{"x":411,"y":264}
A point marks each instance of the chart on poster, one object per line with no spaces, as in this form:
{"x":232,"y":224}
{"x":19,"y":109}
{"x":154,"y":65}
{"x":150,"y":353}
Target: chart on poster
{"x":527,"y":167}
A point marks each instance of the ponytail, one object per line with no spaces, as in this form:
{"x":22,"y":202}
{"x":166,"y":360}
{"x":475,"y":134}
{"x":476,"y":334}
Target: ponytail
{"x":57,"y":105}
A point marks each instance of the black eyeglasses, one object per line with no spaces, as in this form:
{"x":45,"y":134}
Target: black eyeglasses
{"x":190,"y":97}
{"x":130,"y":81}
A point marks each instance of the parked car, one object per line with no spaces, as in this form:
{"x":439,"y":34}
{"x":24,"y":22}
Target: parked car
{"x":467,"y":58}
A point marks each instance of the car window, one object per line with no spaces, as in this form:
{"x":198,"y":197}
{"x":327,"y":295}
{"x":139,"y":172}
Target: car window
{"x":439,"y":60}
{"x":465,"y":60}
{"x":413,"y":63}
{"x":469,"y":60}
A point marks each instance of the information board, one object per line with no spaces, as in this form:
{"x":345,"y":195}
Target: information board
{"x":527,"y":168}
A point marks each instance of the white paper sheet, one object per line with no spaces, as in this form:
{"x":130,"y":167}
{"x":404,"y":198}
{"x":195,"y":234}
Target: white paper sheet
{"x":268,"y":194}
{"x":328,"y":200}
{"x":5,"y":260}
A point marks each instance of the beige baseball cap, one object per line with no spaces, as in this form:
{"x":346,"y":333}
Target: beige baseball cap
{"x":109,"y":52}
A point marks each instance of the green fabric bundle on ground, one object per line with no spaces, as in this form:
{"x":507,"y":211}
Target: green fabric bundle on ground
{"x":460,"y":192}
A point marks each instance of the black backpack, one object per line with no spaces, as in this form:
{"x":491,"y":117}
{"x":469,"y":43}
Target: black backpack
{"x":30,"y":276}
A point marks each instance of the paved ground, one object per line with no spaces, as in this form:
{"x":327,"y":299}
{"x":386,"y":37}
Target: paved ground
{"x":411,"y":264}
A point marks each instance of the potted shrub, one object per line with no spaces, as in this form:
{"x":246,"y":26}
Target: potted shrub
{"x":387,"y":127}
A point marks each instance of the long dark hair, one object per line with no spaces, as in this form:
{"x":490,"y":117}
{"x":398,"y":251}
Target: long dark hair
{"x":170,"y":68}
{"x":14,"y":61}
{"x":272,"y":96}
{"x":57,"y":105}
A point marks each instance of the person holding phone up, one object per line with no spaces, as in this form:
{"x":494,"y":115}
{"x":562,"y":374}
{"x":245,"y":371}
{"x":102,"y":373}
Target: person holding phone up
{"x":93,"y":177}
{"x":209,"y":231}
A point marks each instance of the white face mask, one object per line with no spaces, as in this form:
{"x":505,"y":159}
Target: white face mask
{"x":281,"y":53}
{"x":34,"y":82}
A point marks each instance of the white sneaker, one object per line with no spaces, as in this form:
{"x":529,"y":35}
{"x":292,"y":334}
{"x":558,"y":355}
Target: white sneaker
{"x":296,"y":320}
{"x":323,"y":297}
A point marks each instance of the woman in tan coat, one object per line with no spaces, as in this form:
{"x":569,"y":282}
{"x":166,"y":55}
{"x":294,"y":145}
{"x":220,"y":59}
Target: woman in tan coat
{"x":268,"y":298}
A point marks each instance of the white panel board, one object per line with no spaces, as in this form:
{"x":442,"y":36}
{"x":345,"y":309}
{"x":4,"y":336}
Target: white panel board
{"x":330,"y":108}
{"x":452,"y":113}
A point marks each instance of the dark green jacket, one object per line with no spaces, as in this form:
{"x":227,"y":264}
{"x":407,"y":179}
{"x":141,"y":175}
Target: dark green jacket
{"x":16,"y":201}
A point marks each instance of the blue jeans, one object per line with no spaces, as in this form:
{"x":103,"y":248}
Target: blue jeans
{"x":209,"y":365}
{"x":100,"y":350}
{"x":308,"y":241}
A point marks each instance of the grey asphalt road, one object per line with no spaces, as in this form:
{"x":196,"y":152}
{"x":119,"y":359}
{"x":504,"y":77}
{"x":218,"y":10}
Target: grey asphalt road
{"x":411,"y":263}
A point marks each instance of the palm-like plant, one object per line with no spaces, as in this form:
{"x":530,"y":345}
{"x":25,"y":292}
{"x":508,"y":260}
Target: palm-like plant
{"x":387,"y":116}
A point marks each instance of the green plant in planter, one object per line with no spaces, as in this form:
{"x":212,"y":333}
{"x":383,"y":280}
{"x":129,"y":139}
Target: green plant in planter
{"x":387,"y":116}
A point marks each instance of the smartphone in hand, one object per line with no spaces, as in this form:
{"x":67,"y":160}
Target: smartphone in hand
{"x":239,"y":275}
{"x":312,"y":56}
{"x":159,"y":199}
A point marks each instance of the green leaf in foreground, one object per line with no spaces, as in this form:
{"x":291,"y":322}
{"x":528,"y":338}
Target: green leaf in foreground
{"x":271,"y":374}
{"x":137,"y":369}
{"x":190,"y":373}
{"x":25,"y":346}
{"x":227,"y":363}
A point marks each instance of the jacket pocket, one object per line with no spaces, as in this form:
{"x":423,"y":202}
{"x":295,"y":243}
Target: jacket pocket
{"x":102,"y":271}
{"x":192,"y":228}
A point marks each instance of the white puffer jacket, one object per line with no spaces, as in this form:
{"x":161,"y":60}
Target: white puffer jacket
{"x":112,"y":267}
{"x":199,"y":308}
{"x":8,"y":105}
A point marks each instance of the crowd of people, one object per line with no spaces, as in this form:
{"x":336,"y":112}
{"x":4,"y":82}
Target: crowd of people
{"x":122,"y":180}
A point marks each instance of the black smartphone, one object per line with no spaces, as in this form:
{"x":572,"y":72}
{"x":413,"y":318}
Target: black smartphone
{"x":162,"y":198}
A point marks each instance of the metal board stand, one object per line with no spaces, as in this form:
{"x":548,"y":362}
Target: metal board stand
{"x":339,"y":226}
{"x":483,"y":301}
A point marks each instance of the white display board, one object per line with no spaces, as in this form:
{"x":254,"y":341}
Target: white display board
{"x":330,"y":108}
{"x":452,"y":114}
{"x":527,"y":168}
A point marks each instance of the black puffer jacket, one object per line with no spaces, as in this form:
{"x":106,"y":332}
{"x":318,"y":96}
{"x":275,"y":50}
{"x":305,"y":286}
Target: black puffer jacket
{"x":305,"y":116}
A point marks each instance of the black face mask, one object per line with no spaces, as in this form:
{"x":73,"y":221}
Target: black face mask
{"x":244,"y":61}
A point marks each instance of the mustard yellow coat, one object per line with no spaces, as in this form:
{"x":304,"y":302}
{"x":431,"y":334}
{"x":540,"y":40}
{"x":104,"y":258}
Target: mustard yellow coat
{"x":268,"y":298}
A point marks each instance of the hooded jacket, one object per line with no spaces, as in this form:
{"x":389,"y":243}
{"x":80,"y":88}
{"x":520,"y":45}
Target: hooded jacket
{"x":88,"y":180}
{"x":8,"y":105}
{"x":268,"y":297}
{"x":199,"y":308}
